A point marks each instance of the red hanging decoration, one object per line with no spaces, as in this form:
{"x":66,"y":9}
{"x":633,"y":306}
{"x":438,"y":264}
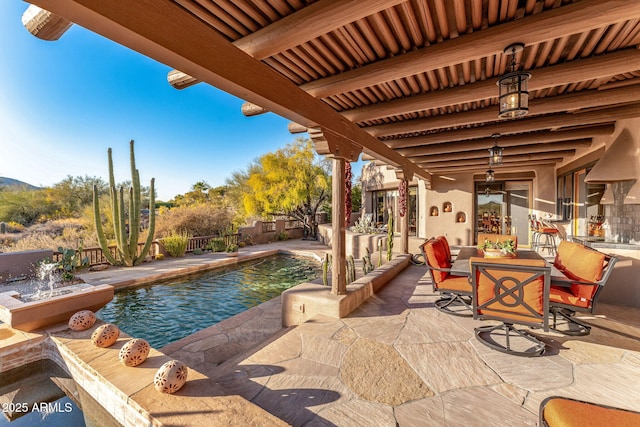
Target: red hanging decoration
{"x":347,"y":194}
{"x":402,"y":203}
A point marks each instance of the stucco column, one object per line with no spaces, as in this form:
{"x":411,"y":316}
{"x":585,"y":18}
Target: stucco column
{"x":404,"y":219}
{"x":338,"y":237}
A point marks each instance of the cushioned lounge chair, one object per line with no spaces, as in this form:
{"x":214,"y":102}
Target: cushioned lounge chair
{"x":455,"y":290}
{"x":511,"y":291}
{"x":586,"y":272}
{"x":565,"y":412}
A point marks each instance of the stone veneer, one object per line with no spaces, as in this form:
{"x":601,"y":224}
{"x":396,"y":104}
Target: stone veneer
{"x":304,"y":301}
{"x":624,"y":220}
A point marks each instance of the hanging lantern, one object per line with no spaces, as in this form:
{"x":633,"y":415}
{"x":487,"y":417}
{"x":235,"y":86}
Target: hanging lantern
{"x":490,"y":176}
{"x":514,"y":88}
{"x":495,"y":152}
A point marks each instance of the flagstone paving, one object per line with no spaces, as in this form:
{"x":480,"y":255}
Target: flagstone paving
{"x":397,"y":361}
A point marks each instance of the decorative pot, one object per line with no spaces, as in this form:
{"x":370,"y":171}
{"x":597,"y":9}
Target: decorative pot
{"x":170,"y":377}
{"x":498,"y":253}
{"x":105,"y":335}
{"x":134,"y":352}
{"x":82,"y":320}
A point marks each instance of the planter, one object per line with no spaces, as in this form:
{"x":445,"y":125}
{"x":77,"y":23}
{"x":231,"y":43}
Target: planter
{"x":498,"y":253}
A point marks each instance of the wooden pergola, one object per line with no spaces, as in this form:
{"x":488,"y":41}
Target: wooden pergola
{"x":410,"y":83}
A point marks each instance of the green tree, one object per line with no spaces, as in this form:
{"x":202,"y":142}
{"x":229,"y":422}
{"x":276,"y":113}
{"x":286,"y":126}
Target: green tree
{"x":292,"y":182}
{"x":199,"y":194}
{"x":72,"y":194}
{"x":25,"y":206}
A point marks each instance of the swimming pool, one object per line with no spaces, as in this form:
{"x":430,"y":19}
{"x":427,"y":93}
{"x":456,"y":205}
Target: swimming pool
{"x":167,"y":311}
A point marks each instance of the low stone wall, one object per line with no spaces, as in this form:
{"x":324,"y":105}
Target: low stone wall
{"x":304,"y":301}
{"x":21,"y":264}
{"x":357,"y":242}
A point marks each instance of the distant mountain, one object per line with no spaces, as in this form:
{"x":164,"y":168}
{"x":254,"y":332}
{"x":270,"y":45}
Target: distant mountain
{"x":10,"y":182}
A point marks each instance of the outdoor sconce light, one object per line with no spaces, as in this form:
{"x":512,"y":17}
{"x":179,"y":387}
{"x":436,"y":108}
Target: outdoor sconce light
{"x":495,"y":152}
{"x":514,"y":88}
{"x":490,"y":176}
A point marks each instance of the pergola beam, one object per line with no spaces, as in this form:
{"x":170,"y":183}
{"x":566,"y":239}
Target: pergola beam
{"x":523,"y":149}
{"x":553,"y":24}
{"x":515,"y":167}
{"x":307,"y":24}
{"x":206,"y":55}
{"x":510,"y":141}
{"x":482,"y":161}
{"x":556,"y":75}
{"x":508,"y":127}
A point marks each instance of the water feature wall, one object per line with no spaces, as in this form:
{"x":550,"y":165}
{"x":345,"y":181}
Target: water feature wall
{"x":16,"y":265}
{"x":34,"y":303}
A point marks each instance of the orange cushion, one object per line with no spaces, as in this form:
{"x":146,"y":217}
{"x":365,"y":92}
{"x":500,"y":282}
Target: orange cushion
{"x":559,"y":412}
{"x":508,"y":307}
{"x":447,"y":248}
{"x":580,"y":263}
{"x":562,"y":295}
{"x":437,"y":257}
{"x":454,"y":284}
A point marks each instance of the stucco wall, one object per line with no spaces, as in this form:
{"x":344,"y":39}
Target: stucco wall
{"x":458,"y":192}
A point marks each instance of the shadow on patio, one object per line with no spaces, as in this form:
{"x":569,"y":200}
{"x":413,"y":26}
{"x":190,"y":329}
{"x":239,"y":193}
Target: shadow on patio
{"x":398,"y":360}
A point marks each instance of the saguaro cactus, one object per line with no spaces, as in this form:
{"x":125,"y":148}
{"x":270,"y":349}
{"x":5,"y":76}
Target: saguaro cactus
{"x":127,"y":245}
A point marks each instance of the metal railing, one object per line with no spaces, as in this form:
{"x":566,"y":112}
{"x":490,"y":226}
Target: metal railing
{"x":96,"y":256}
{"x":268,"y":226}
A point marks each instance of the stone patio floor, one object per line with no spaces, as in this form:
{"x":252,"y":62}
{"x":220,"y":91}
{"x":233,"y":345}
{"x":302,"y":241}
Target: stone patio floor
{"x":398,"y":361}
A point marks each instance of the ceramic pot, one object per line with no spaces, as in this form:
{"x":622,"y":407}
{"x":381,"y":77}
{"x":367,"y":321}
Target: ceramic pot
{"x":170,"y":377}
{"x":82,"y":320}
{"x":134,"y":352}
{"x":105,"y":335}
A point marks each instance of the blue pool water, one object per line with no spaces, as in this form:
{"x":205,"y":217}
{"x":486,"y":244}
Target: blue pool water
{"x":167,"y":311}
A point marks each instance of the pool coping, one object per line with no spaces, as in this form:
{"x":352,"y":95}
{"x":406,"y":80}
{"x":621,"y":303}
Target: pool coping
{"x":132,"y":399}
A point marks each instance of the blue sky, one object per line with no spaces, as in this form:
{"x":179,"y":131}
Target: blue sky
{"x":64,"y":103}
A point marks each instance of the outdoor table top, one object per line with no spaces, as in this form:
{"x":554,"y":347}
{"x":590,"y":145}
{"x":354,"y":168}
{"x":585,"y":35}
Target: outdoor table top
{"x":461,"y":267}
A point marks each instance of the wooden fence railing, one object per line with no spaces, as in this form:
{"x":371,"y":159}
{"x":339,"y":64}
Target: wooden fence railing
{"x":268,"y":226}
{"x":96,"y":256}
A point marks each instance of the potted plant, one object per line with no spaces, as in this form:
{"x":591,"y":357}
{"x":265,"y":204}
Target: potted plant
{"x":506,"y":248}
{"x":232,"y":249}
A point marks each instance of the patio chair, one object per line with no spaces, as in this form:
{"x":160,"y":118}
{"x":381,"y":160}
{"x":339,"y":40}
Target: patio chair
{"x":585,"y":271}
{"x":511,"y":291}
{"x":455,"y":290}
{"x":558,"y":411}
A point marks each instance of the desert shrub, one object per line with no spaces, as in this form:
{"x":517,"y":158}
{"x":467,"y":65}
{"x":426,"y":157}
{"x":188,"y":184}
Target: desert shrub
{"x":195,"y":220}
{"x":175,"y":244}
{"x":282,"y":235}
{"x":14,"y":227}
{"x":68,"y":233}
{"x":216,"y":244}
{"x":159,"y":257}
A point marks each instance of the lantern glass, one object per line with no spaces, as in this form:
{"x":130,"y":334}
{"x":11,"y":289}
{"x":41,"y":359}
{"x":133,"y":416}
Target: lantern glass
{"x":495,"y":156}
{"x":514,"y":94}
{"x":490,"y":176}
